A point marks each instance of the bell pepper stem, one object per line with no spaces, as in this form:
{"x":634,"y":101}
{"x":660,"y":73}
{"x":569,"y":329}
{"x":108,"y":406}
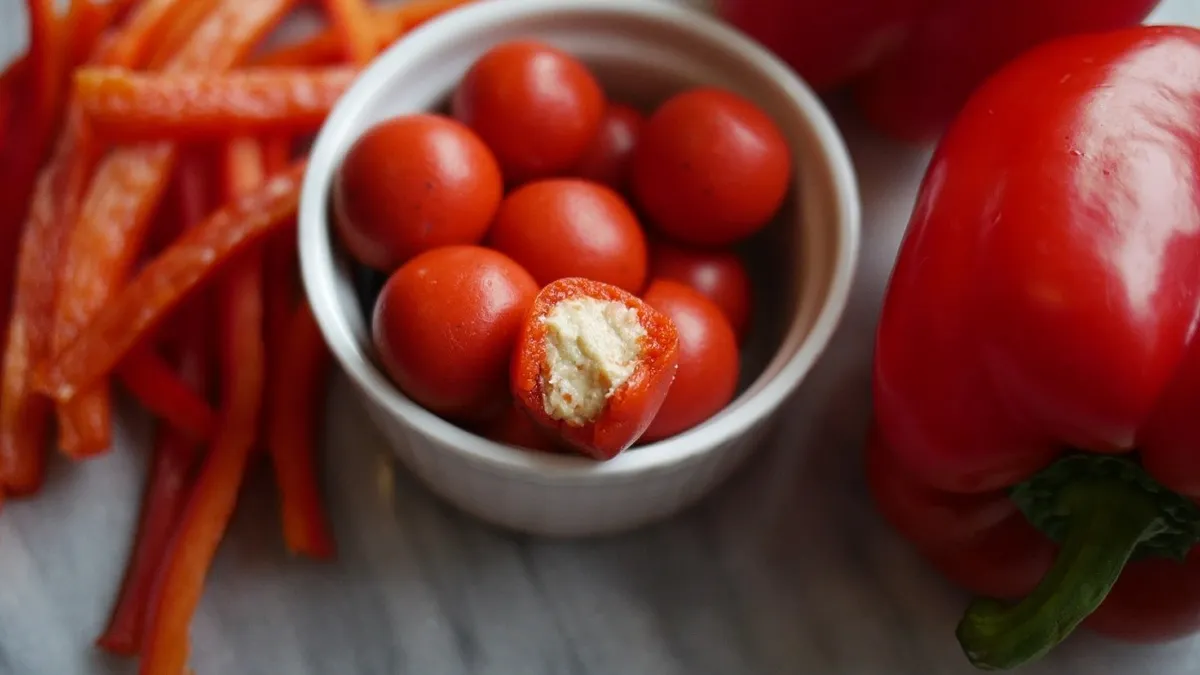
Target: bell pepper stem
{"x":1106,"y":522}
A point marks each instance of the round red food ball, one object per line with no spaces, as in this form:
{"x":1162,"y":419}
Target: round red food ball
{"x":445,"y":326}
{"x":411,"y":184}
{"x":608,"y":158}
{"x":719,"y":275}
{"x":566,"y":227}
{"x":708,"y":359}
{"x":710,"y":167}
{"x":538,"y":108}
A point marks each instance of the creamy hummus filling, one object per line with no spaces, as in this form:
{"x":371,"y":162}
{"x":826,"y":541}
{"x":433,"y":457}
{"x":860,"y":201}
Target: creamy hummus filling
{"x":592,"y":347}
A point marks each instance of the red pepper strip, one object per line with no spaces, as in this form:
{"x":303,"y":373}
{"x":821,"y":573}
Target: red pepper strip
{"x":176,"y":454}
{"x":297,"y":403}
{"x":23,"y":412}
{"x":125,"y":106}
{"x":279,"y":266}
{"x":1039,"y":328}
{"x":631,"y":406}
{"x":168,"y":485}
{"x":32,"y":134}
{"x":327,"y":47}
{"x":166,"y":493}
{"x":12,"y":83}
{"x":46,"y":56}
{"x":55,"y":204}
{"x":189,"y":15}
{"x":149,"y":23}
{"x":277,"y":153}
{"x":353,"y":22}
{"x":116,"y":214}
{"x":91,"y":22}
{"x":169,"y":278}
{"x":14,"y":127}
{"x":154,"y":383}
{"x":215,"y":495}
{"x":322,"y":49}
{"x":91,"y":418}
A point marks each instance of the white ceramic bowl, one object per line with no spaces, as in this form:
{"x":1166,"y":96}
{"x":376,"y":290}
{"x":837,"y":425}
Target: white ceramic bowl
{"x":642,"y":51}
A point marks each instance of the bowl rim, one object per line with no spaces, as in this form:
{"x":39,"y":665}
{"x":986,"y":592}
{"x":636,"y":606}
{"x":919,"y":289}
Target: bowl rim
{"x":318,"y":264}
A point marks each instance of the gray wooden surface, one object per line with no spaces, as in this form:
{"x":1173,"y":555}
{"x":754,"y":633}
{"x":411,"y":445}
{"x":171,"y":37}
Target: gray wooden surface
{"x":785,"y":570}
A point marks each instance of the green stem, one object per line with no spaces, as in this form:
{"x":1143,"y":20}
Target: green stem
{"x":1106,"y":521}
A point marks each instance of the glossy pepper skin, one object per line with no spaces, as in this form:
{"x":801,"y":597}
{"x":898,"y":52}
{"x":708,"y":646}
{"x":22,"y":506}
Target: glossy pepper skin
{"x":1037,"y":370}
{"x":913,"y":63}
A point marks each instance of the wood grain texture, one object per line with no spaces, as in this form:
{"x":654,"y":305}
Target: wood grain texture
{"x":785,"y":570}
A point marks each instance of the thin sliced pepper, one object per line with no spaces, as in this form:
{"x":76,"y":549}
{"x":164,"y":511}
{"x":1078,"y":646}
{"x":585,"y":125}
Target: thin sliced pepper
{"x":118,"y":209}
{"x":125,"y":106}
{"x":181,"y":580}
{"x":148,"y":24}
{"x":169,"y":278}
{"x":91,"y":21}
{"x":277,"y":153}
{"x":297,"y":397}
{"x":175,"y":455}
{"x":154,"y":383}
{"x":279,"y":261}
{"x":352,"y":20}
{"x":14,"y":127}
{"x":47,"y":60}
{"x":327,"y":47}
{"x":215,"y":496}
{"x":31,"y":137}
{"x":55,"y":204}
{"x":176,"y":32}
{"x":54,"y":207}
{"x":12,"y":82}
{"x":321,"y":49}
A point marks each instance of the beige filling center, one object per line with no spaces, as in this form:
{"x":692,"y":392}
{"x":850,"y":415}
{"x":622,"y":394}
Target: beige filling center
{"x":592,"y":347}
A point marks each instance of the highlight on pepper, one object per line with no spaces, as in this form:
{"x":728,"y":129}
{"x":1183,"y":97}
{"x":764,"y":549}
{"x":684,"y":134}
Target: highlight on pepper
{"x":1035,"y":388}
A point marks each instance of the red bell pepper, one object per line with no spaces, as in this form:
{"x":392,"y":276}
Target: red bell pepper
{"x":1037,"y":368}
{"x":913,"y":63}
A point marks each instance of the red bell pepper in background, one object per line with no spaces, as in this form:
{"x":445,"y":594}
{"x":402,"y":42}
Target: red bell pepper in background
{"x":1037,"y":370}
{"x":913,"y":63}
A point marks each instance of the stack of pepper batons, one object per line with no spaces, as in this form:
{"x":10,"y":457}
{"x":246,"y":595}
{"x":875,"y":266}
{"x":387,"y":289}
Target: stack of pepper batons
{"x":150,"y":182}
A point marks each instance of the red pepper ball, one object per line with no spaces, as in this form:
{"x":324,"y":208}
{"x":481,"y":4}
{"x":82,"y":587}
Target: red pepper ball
{"x":537,"y":107}
{"x":445,"y":326}
{"x":411,"y":184}
{"x":610,"y":155}
{"x":594,"y":364}
{"x":710,"y":168}
{"x":717,"y":273}
{"x":566,"y":227}
{"x":708,"y":359}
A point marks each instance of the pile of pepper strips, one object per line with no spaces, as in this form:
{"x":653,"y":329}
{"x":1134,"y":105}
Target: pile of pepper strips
{"x":150,"y":176}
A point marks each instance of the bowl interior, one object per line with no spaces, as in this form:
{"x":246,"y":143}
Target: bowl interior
{"x":642,"y":52}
